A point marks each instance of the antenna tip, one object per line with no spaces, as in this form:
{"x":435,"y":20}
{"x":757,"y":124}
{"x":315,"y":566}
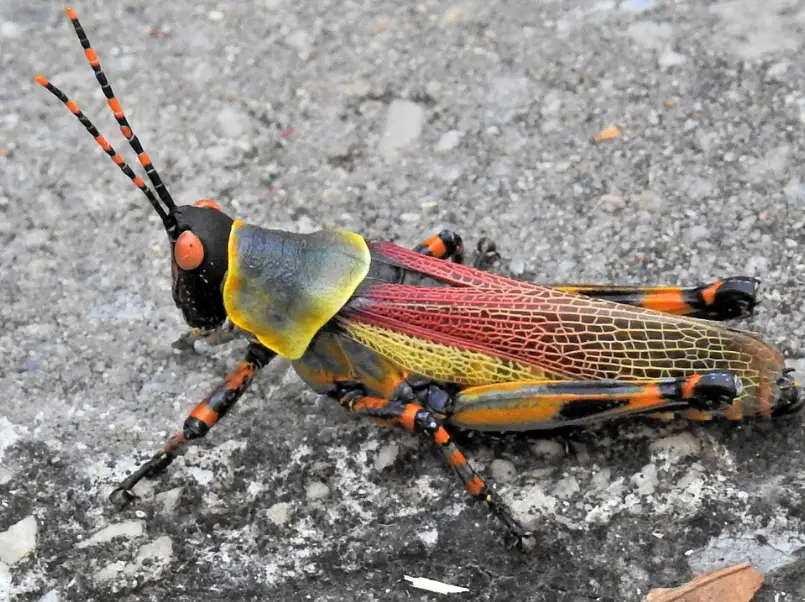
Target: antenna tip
{"x":41,"y":80}
{"x":71,"y":13}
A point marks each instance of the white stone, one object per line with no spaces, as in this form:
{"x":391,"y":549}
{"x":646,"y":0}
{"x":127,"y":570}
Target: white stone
{"x":611,"y":202}
{"x":279,"y":513}
{"x":502,"y":471}
{"x":129,"y":529}
{"x":650,"y":34}
{"x":646,"y":480}
{"x":404,"y":122}
{"x":317,"y":491}
{"x":669,"y":59}
{"x":233,"y":123}
{"x":18,"y":540}
{"x":159,"y":553}
{"x":10,"y":30}
{"x":430,"y":537}
{"x":168,"y":499}
{"x":448,"y":141}
{"x":566,"y":487}
{"x":386,"y":456}
{"x":548,"y":449}
{"x":676,"y":447}
{"x":648,"y":200}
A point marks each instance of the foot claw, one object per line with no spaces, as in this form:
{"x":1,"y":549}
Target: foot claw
{"x":122,"y":497}
{"x":526,"y":542}
{"x":184,"y":343}
{"x":486,"y":253}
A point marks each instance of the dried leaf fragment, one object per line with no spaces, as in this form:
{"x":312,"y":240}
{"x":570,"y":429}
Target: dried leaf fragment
{"x":608,"y":133}
{"x":737,"y":583}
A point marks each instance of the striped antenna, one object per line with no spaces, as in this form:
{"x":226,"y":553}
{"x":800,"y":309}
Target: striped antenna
{"x":114,"y":104}
{"x":104,"y":144}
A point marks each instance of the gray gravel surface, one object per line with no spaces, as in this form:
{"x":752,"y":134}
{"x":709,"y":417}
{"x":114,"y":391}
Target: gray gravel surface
{"x":394,"y":120}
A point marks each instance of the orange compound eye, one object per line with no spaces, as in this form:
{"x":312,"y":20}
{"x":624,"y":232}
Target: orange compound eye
{"x":189,"y":252}
{"x":208,"y":203}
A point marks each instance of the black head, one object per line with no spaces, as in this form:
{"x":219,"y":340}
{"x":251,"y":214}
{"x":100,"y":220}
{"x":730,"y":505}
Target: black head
{"x":199,"y":262}
{"x":198,"y":234}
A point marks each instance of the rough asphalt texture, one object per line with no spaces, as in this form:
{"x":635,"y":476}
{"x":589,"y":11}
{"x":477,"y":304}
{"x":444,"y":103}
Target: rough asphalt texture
{"x":395,"y":120}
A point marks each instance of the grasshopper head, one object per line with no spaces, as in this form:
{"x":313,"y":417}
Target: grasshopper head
{"x":199,"y":249}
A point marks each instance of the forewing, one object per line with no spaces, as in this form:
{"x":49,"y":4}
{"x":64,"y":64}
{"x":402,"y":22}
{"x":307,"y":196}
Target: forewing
{"x":560,"y":334}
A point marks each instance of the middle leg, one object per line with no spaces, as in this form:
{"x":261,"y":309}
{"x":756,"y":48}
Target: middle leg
{"x":449,"y":246}
{"x":404,"y":409}
{"x":445,"y":245}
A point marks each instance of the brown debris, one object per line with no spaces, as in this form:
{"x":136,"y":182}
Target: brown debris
{"x":738,"y":583}
{"x":608,"y":133}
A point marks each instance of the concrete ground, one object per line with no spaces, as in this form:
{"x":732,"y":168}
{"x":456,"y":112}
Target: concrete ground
{"x":394,"y":119}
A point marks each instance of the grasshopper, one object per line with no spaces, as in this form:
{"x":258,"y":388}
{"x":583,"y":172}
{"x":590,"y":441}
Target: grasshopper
{"x":415,"y":338}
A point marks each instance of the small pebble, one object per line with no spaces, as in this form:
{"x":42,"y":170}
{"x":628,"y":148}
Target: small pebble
{"x":156,"y":554}
{"x":648,"y":200}
{"x":448,"y":141}
{"x":386,"y":456}
{"x":517,"y":265}
{"x":696,"y":233}
{"x":611,"y":202}
{"x":233,"y":123}
{"x":302,"y":42}
{"x":646,"y":480}
{"x":548,"y":449}
{"x":51,"y":596}
{"x":600,"y":479}
{"x":280,"y":513}
{"x":650,"y":34}
{"x":566,"y":487}
{"x":502,"y":471}
{"x":317,"y":491}
{"x":404,"y":122}
{"x":676,"y":446}
{"x":430,"y":537}
{"x":128,"y":529}
{"x":670,"y":59}
{"x":637,"y":5}
{"x":332,"y":196}
{"x":10,"y":30}
{"x":450,"y":16}
{"x":777,"y":70}
{"x":168,"y":499}
{"x":551,"y":104}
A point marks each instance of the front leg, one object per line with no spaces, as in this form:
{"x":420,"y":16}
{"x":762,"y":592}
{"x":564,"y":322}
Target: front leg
{"x":402,"y":410}
{"x":221,"y":335}
{"x":199,"y":422}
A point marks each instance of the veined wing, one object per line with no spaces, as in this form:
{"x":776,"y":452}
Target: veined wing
{"x":453,"y":331}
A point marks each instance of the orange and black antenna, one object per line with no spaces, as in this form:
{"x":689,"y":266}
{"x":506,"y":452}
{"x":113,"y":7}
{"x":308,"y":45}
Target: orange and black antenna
{"x":166,"y":215}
